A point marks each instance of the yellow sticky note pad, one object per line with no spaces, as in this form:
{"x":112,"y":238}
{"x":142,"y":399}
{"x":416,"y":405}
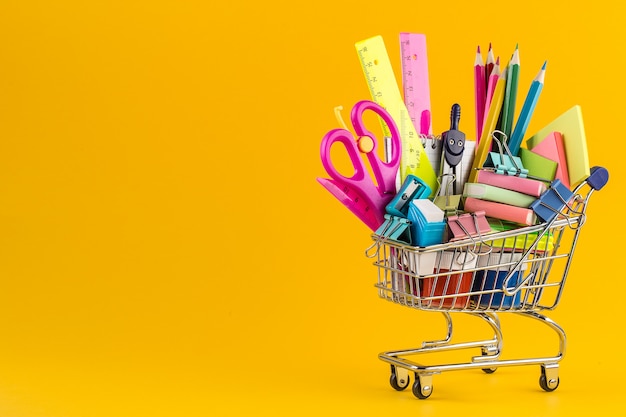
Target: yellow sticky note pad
{"x":570,"y":125}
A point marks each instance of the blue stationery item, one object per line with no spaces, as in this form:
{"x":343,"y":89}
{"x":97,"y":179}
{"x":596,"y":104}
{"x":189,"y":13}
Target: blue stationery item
{"x":527,"y":110}
{"x":395,"y":228}
{"x":503,"y":161}
{"x":412,"y":188}
{"x":505,"y":164}
{"x":427,"y":223}
{"x":552,"y":201}
{"x":489,"y":283}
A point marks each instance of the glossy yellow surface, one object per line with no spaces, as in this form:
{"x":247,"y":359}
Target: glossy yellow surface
{"x":165,"y":249}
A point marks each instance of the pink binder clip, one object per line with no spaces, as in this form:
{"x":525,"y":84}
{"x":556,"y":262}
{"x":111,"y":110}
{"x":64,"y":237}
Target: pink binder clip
{"x":468,"y":225}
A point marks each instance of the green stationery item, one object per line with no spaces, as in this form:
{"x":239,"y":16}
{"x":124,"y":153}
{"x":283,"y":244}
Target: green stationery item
{"x":497,"y":194}
{"x":510,"y":94}
{"x":537,"y":165}
{"x":445,"y":199}
{"x":521,"y":242}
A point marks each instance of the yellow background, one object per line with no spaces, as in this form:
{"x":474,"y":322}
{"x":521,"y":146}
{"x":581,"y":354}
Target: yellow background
{"x":165,"y":249}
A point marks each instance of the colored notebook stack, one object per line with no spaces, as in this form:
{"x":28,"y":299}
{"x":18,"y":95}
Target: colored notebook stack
{"x":504,"y":197}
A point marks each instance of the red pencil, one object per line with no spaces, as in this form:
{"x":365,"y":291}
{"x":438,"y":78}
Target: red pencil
{"x":480,"y":92}
{"x":493,"y":79}
{"x":489,"y":64}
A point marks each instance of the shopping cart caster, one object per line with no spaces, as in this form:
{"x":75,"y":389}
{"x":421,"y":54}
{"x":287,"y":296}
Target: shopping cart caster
{"x":490,"y":351}
{"x":399,"y":380}
{"x":423,"y":386}
{"x":549,"y":379}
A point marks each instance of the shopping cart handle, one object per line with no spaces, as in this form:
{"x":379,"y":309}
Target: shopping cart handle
{"x":598,"y":178}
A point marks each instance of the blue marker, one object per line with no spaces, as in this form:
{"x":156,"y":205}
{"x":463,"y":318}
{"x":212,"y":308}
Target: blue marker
{"x":523,"y":120}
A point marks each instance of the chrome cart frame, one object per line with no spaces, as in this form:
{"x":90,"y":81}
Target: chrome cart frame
{"x":521,"y":271}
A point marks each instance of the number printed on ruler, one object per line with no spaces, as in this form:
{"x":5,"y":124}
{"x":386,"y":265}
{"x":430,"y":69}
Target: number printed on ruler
{"x":415,"y":81}
{"x":384,"y":90}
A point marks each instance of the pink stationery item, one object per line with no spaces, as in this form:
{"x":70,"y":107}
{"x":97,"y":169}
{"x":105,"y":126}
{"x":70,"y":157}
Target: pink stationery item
{"x":466,"y":225}
{"x":491,"y":85}
{"x":512,"y":182}
{"x":552,"y":148}
{"x":415,"y":84}
{"x":501,"y":211}
{"x":359,"y":193}
{"x":489,"y":64}
{"x":480,"y":92}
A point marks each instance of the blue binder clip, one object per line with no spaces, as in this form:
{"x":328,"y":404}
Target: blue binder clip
{"x":552,"y":201}
{"x":503,"y":162}
{"x":395,"y":228}
{"x":412,"y":188}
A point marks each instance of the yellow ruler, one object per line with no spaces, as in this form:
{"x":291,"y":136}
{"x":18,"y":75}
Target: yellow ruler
{"x":384,"y":90}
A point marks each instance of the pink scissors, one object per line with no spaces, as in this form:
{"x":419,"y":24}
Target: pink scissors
{"x":366,"y":199}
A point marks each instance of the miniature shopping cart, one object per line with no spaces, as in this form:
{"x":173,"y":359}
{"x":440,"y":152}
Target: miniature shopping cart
{"x":521,"y":271}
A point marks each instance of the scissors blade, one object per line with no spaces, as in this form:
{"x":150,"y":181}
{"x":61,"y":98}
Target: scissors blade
{"x":358,"y":205}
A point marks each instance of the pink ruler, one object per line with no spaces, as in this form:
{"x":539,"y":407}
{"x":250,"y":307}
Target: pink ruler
{"x":415,"y":82}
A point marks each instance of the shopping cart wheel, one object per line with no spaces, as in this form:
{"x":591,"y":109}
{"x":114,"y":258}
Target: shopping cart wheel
{"x":422,"y":387}
{"x":489,"y":351}
{"x":549,"y":381}
{"x":398,"y":383}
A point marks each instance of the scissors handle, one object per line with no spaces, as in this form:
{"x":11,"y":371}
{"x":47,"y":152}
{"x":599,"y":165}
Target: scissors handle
{"x":385,"y":172}
{"x":360,"y":178}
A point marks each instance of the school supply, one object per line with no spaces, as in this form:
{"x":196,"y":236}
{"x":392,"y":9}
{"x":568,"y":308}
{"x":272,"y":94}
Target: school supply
{"x":384,"y":91}
{"x":395,"y":228}
{"x":511,"y":182}
{"x":483,"y":269}
{"x":467,"y":225}
{"x":484,"y":144}
{"x":453,"y":276}
{"x":521,"y":215}
{"x":358,"y":192}
{"x":515,"y":140}
{"x":479,"y":92}
{"x":453,"y":143}
{"x":552,"y":201}
{"x":514,"y":243}
{"x":570,"y":125}
{"x":446,"y":200}
{"x":497,"y":194}
{"x":491,"y":83}
{"x":433,"y":147}
{"x":552,"y":148}
{"x":489,"y":64}
{"x":510,"y":94}
{"x":502,"y":162}
{"x":412,"y":188}
{"x":415,"y":83}
{"x":490,"y":280}
{"x":427,"y":223}
{"x":537,"y":165}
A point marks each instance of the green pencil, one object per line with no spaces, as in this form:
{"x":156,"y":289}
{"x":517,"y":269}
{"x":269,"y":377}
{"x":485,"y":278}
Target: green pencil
{"x":510,"y":94}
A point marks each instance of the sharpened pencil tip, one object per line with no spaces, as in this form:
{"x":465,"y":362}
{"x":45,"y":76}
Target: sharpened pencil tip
{"x":544,"y":65}
{"x":489,"y":45}
{"x":478,"y":50}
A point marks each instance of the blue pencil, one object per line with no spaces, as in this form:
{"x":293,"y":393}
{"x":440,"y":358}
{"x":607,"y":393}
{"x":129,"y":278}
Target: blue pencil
{"x":523,"y":120}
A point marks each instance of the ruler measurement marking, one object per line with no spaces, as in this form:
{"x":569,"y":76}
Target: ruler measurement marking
{"x":384,"y":90}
